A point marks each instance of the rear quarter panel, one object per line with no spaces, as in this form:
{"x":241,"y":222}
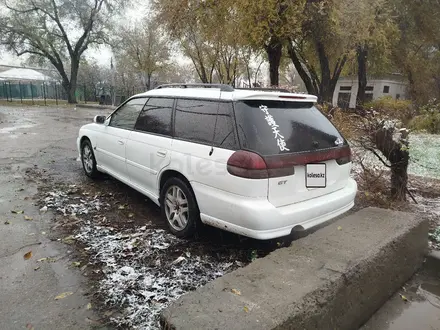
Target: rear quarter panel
{"x":197,"y":165}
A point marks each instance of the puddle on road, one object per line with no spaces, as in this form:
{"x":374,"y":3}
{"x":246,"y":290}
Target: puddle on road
{"x":420,"y":313}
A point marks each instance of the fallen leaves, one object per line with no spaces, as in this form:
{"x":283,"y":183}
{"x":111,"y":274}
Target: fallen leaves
{"x":63,"y":295}
{"x":405,"y":299}
{"x":37,"y":268}
{"x":27,"y":255}
{"x":246,"y":309}
{"x":235,"y":291}
{"x":339,"y":228}
{"x":17,"y":212}
{"x":89,"y":306}
{"x":76,"y":263}
{"x":28,"y":218}
{"x":7,"y":222}
{"x":68,"y":240}
{"x":29,"y":326}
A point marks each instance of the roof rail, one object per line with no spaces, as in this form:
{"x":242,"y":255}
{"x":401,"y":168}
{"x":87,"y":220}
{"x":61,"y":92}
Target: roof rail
{"x":282,"y":90}
{"x":223,"y":87}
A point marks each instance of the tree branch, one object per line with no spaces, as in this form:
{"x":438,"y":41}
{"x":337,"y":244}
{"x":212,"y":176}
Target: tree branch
{"x":378,"y":156}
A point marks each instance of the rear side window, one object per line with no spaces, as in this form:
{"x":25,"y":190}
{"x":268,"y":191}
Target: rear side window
{"x":278,"y":127}
{"x":203,"y":121}
{"x":156,"y":116}
{"x":125,"y":117}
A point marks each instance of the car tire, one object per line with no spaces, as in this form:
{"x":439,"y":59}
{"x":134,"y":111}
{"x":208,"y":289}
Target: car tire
{"x":88,"y":160}
{"x":179,"y":208}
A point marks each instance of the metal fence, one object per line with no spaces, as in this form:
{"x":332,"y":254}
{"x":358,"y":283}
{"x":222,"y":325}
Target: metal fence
{"x":53,"y":93}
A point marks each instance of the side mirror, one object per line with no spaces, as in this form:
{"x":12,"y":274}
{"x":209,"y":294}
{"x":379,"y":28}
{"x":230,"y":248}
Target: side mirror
{"x":99,"y":119}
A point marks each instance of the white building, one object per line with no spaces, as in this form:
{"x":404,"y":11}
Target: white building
{"x":23,"y":74}
{"x":346,"y":90}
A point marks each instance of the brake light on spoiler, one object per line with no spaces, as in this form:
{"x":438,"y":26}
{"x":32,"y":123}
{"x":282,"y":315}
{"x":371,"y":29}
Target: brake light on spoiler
{"x":251,"y":165}
{"x":295,"y":97}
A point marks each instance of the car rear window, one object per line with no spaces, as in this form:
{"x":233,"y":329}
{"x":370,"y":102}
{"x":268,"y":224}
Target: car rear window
{"x":278,"y":127}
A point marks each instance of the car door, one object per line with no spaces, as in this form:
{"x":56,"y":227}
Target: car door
{"x":148,"y":146}
{"x":110,"y":149}
{"x":204,"y":139}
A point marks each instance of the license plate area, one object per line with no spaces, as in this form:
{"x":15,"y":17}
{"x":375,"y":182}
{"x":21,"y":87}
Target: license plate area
{"x":316,"y":175}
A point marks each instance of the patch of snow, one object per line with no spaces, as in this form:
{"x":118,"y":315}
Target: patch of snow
{"x":140,"y":275}
{"x":390,"y":124}
{"x":61,"y":202}
{"x":144,"y":269}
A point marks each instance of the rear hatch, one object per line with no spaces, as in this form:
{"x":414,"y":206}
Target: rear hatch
{"x":296,"y":136}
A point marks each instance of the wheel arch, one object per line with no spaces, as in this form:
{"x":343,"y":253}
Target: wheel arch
{"x":170,"y":173}
{"x":84,"y":138}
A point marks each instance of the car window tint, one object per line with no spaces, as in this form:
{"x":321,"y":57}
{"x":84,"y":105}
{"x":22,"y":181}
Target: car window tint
{"x":274,"y":127}
{"x":225,"y":129}
{"x":125,"y":117}
{"x":196,"y":121}
{"x":156,"y":116}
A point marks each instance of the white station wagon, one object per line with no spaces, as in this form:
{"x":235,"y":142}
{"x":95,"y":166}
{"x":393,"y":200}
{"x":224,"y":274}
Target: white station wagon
{"x":259,"y":163}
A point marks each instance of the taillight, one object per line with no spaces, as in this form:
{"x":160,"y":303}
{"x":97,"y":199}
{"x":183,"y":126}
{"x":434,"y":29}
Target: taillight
{"x":246,"y":164}
{"x":345,"y":159}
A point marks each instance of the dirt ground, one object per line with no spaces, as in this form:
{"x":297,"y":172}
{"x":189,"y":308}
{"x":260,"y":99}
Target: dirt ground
{"x":100,"y":257}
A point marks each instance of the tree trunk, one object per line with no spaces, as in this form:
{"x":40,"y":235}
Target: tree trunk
{"x":305,"y":77}
{"x":274,"y":52}
{"x":399,"y":179}
{"x":148,"y":81}
{"x":325,"y":94}
{"x":362,"y":54}
{"x":256,"y":75}
{"x":70,"y":92}
{"x":398,"y":156}
{"x":71,"y":86}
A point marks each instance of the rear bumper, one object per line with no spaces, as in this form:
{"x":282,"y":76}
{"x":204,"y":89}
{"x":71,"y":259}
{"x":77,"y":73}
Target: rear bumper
{"x":257,"y":218}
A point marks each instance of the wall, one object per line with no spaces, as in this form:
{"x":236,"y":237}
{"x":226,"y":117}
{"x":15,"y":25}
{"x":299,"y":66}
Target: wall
{"x":395,"y":88}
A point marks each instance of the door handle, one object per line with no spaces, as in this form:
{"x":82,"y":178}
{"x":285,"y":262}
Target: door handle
{"x":121,"y":142}
{"x":161,"y":153}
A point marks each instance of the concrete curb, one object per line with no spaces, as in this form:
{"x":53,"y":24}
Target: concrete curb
{"x":336,"y":278}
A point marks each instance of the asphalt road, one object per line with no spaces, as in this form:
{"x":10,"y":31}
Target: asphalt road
{"x":38,"y":138}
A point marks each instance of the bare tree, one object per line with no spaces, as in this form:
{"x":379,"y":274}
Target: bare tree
{"x":90,"y":76}
{"x":59,"y":31}
{"x":145,"y":47}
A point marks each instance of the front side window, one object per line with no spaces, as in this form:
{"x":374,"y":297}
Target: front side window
{"x":125,"y":117}
{"x":156,"y":116}
{"x":204,"y":121}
